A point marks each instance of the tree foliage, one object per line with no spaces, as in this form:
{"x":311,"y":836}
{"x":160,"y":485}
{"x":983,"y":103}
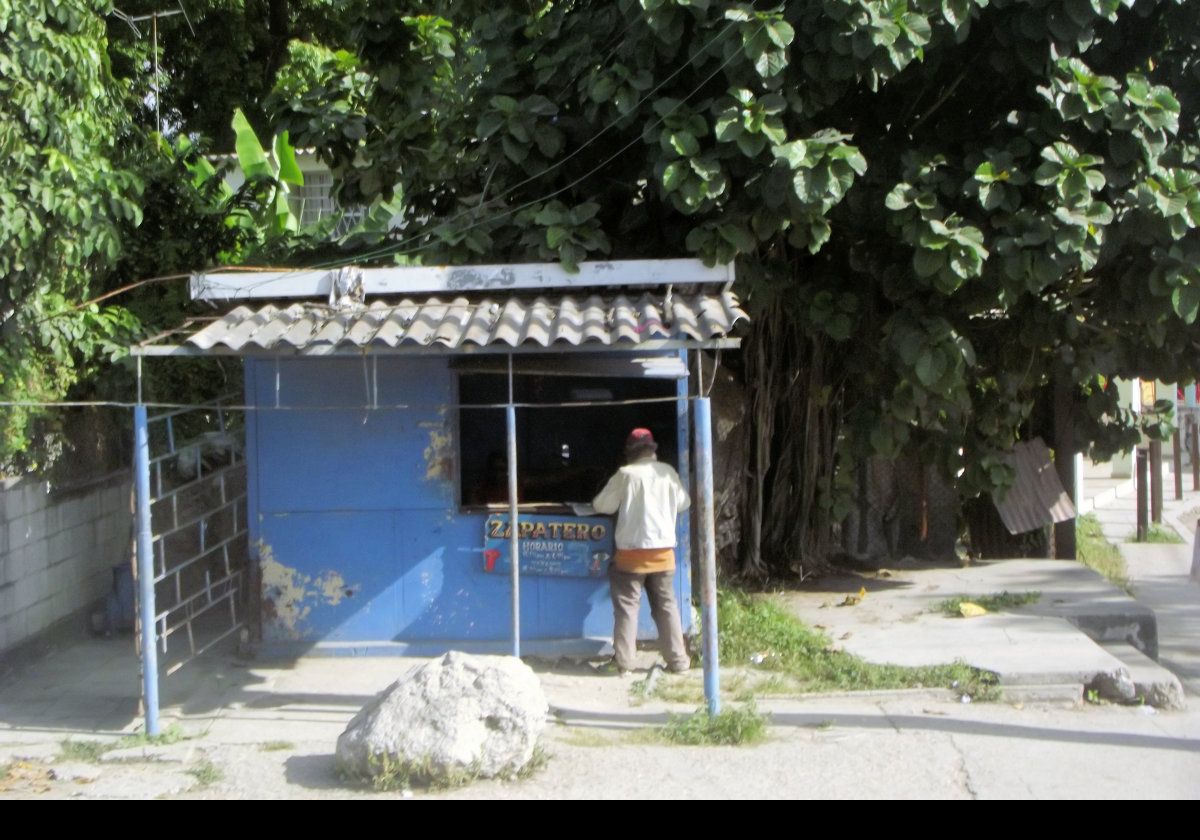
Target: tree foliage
{"x":225,"y":54}
{"x":936,"y":206}
{"x":63,"y":200}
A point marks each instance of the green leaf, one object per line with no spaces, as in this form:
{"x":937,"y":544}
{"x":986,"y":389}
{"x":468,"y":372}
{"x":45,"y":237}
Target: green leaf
{"x":897,"y":199}
{"x":514,"y":150}
{"x":504,"y":104}
{"x":555,"y":236}
{"x":773,"y":103}
{"x":551,"y":214}
{"x":794,"y":153}
{"x":956,"y":12}
{"x":771,"y":64}
{"x":728,"y":126}
{"x":774,"y":130}
{"x":570,"y":255}
{"x":738,"y":237}
{"x":602,"y":89}
{"x":674,"y":175}
{"x":684,"y":143}
{"x":489,"y":123}
{"x":251,"y":156}
{"x":928,"y":263}
{"x":751,"y":144}
{"x":582,"y":213}
{"x":1186,"y":301}
{"x":930,"y":367}
{"x":549,"y":141}
{"x":289,"y":169}
{"x":781,"y":33}
{"x":519,"y":130}
{"x":707,"y":168}
{"x":539,"y":106}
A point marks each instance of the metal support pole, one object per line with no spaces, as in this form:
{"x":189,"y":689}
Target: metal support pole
{"x":157,"y":81}
{"x":1195,"y":454}
{"x":1195,"y":572}
{"x":514,"y":548}
{"x":1156,"y":481}
{"x":1143,"y":494}
{"x":708,"y":554}
{"x":864,"y":509}
{"x":1177,"y":464}
{"x":145,"y":564}
{"x":1064,"y":460}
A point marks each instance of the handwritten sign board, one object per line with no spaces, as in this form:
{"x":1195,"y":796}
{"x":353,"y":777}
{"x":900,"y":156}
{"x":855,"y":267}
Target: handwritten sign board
{"x":561,"y":546}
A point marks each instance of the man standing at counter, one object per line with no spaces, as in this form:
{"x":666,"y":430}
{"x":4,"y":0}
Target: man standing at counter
{"x":646,"y":495}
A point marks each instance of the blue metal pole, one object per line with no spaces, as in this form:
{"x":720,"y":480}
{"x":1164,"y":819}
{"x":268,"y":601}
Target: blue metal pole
{"x":514,"y":549}
{"x":708,"y":554}
{"x":145,"y":567}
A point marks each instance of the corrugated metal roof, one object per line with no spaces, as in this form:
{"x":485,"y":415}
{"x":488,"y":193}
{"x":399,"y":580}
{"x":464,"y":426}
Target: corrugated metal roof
{"x":1037,"y":497}
{"x":543,"y":321}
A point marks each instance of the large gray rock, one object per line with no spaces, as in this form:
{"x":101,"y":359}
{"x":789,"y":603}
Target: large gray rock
{"x":452,"y":719}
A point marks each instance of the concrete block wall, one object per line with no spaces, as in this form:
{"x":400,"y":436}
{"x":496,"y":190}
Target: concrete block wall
{"x":57,"y":551}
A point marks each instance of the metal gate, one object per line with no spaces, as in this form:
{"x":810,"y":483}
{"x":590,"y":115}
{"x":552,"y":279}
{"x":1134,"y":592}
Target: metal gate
{"x":198,"y":542}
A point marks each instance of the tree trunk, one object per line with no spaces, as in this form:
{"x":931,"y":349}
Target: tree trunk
{"x":795,"y":416}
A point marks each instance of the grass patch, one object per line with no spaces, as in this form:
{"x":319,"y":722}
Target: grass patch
{"x":206,"y":773}
{"x":995,"y":602}
{"x":741,"y":686}
{"x":389,"y":774}
{"x":1157,"y":533}
{"x":576,"y":737}
{"x":274,"y":746}
{"x":92,"y":751}
{"x":730,"y":727}
{"x":774,"y":684}
{"x":537,"y":762}
{"x":758,"y":627}
{"x":173,"y":734}
{"x":89,"y":751}
{"x":679,"y":691}
{"x":1097,"y":553}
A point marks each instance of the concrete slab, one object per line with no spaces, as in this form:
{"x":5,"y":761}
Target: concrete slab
{"x":899,"y":620}
{"x":1151,"y":682}
{"x":1159,"y":576}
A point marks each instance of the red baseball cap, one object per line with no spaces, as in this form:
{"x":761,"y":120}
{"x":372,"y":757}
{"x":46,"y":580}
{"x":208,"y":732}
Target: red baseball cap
{"x":640,"y":438}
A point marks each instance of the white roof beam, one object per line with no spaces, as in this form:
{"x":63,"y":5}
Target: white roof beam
{"x":445,"y":279}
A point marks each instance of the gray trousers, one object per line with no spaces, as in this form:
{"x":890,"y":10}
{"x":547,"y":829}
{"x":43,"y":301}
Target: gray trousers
{"x":626,"y":589}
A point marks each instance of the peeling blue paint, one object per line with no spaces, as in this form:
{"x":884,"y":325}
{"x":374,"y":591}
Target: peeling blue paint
{"x":333,"y":492}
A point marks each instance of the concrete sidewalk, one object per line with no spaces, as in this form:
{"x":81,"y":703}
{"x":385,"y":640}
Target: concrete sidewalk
{"x":1159,"y":572}
{"x":899,"y":621}
{"x":270,"y":726}
{"x":1081,"y":629}
{"x":267,"y":730}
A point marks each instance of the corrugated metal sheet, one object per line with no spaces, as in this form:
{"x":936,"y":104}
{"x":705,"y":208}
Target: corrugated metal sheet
{"x":453,"y":323}
{"x":1037,"y":497}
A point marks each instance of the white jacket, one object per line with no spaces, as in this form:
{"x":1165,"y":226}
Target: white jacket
{"x":646,"y":496}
